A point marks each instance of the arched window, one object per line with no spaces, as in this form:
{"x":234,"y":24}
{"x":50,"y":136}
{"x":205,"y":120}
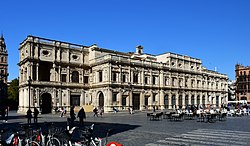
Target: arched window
{"x":75,"y":77}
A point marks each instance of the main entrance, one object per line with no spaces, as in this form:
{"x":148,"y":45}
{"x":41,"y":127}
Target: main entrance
{"x":46,"y":105}
{"x":136,"y":101}
{"x":101,"y":99}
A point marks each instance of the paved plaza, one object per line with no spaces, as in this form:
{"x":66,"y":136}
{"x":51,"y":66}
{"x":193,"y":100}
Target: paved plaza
{"x":137,"y":130}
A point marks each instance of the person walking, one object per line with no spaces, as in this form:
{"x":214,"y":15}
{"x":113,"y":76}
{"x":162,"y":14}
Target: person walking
{"x":62,"y":112}
{"x":95,"y":112}
{"x":29,"y":116}
{"x":36,"y":112}
{"x":72,"y":115}
{"x":81,"y":115}
{"x":101,"y":111}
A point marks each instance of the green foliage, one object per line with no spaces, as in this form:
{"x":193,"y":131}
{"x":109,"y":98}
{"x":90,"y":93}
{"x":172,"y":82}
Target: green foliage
{"x":13,"y":93}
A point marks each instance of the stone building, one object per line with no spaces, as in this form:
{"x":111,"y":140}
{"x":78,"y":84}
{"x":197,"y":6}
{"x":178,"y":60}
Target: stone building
{"x":65,"y":74}
{"x":242,"y":82}
{"x":3,"y":69}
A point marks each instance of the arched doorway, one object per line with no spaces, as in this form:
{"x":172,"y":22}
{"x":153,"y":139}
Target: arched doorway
{"x":46,"y":104}
{"x":101,"y":99}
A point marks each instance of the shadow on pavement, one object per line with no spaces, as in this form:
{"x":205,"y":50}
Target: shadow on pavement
{"x":100,"y":128}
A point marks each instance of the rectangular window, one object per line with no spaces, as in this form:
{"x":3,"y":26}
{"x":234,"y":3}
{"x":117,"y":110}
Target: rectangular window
{"x":154,"y":98}
{"x":64,"y":77}
{"x":146,"y":80}
{"x":86,"y":79}
{"x":100,"y":76}
{"x":123,"y":77}
{"x":154,"y":80}
{"x":124,"y":100}
{"x":114,"y":98}
{"x":114,"y":76}
{"x":135,"y":78}
{"x":34,"y":72}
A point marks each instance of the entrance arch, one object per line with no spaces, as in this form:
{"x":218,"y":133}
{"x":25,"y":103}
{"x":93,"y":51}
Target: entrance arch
{"x":46,"y":103}
{"x":101,"y":99}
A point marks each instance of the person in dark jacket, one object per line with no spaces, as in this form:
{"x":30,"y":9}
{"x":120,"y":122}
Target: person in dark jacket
{"x":72,"y":115}
{"x":36,"y":112}
{"x":81,"y":115}
{"x":29,"y":116}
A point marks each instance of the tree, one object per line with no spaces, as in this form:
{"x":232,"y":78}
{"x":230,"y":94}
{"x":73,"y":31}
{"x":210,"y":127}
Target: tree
{"x":13,"y":93}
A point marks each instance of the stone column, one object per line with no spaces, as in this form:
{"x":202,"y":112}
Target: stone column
{"x":30,"y":70}
{"x":60,"y":96}
{"x":68,"y":74}
{"x":142,"y":77}
{"x":120,"y":98}
{"x":142,"y":100}
{"x":130,"y":98}
{"x":177,"y":100}
{"x":170,"y":100}
{"x":195,"y":98}
{"x":219,"y":100}
{"x":189,"y":98}
{"x":37,"y":98}
{"x":54,"y":97}
{"x":161,"y":99}
{"x":183,"y":100}
{"x":32,"y":104}
{"x":68,"y":97}
{"x":37,"y":71}
{"x":82,"y":98}
{"x":206,"y":99}
{"x":151,"y":102}
{"x":59,"y":73}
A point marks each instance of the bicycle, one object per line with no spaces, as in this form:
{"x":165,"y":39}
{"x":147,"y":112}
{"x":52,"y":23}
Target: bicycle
{"x":52,"y":140}
{"x":27,"y":139}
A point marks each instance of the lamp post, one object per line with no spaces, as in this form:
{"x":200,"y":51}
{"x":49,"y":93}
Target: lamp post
{"x":29,"y":83}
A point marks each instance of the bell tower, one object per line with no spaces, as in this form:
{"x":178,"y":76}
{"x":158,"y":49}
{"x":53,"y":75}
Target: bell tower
{"x":3,"y":61}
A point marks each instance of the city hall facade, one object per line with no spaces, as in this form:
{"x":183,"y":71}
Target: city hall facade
{"x":56,"y":74}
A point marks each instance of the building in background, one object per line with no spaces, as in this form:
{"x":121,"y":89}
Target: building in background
{"x":3,"y":69}
{"x":242,"y":82}
{"x":66,"y":74}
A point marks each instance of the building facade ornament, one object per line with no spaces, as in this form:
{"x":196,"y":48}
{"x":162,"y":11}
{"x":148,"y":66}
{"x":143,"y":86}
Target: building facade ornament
{"x":69,"y":74}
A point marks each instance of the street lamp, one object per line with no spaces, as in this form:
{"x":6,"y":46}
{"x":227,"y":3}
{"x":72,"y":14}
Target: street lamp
{"x":29,"y":83}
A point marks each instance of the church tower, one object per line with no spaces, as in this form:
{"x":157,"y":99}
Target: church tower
{"x":3,"y":69}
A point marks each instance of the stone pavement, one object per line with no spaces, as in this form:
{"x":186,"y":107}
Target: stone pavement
{"x":136,"y":130}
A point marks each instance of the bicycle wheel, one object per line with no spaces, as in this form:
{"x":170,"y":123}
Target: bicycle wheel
{"x":34,"y":143}
{"x":53,"y":142}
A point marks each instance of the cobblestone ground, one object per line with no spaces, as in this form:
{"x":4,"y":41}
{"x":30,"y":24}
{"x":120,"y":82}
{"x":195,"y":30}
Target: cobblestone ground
{"x":137,"y":130}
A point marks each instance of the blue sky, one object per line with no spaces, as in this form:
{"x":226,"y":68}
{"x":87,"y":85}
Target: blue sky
{"x":215,"y":31}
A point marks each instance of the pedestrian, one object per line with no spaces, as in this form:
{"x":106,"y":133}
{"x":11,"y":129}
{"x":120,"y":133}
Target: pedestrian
{"x":29,"y":116}
{"x":65,"y":111}
{"x":130,"y":110}
{"x":81,"y":115}
{"x":36,"y":112}
{"x":101,"y":111}
{"x":72,"y":115}
{"x":95,"y":112}
{"x":62,"y":112}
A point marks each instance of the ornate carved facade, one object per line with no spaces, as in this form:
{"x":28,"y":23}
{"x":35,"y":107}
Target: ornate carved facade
{"x":3,"y":69}
{"x":65,"y":74}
